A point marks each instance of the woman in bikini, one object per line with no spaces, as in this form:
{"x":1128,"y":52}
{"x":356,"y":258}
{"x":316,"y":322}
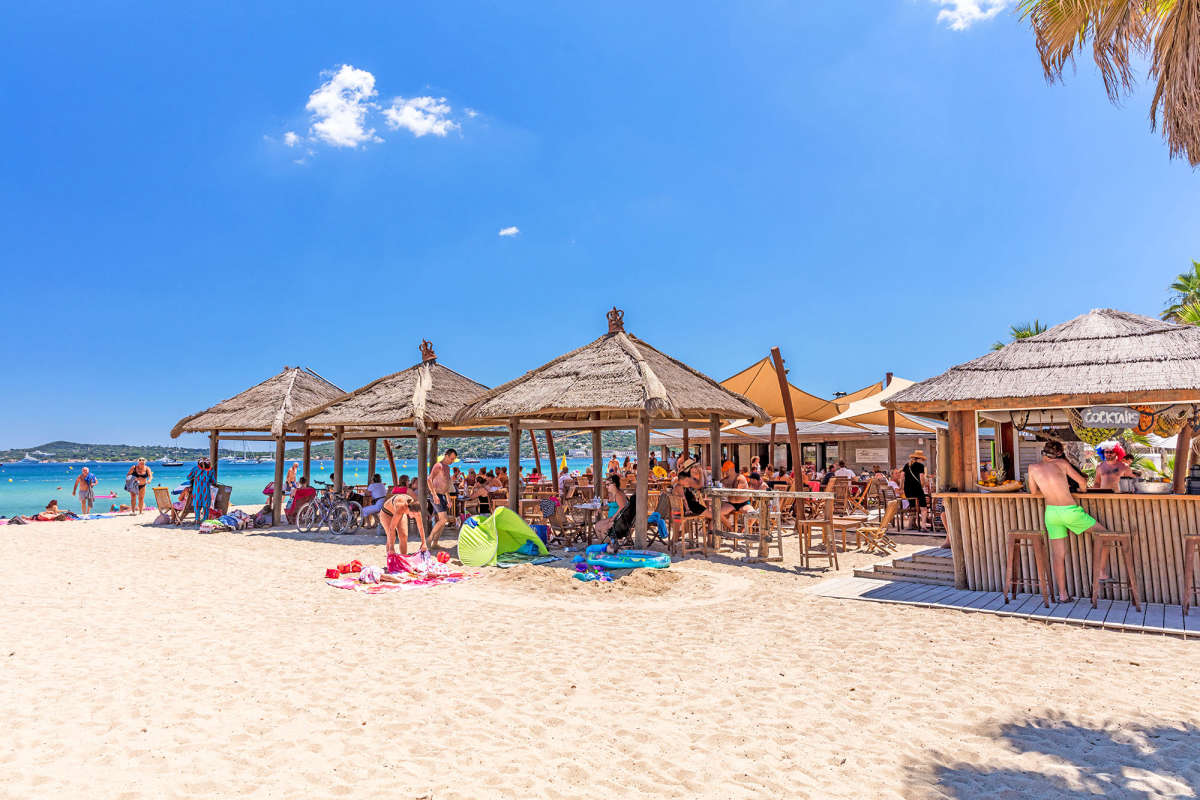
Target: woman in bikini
{"x":141,"y":474}
{"x":397,"y":510}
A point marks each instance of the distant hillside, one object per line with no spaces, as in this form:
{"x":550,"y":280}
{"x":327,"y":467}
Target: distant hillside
{"x":75,"y":451}
{"x":483,"y":447}
{"x":476,"y":447}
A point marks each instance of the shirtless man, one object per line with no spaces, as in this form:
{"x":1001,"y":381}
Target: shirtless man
{"x":87,"y":495}
{"x":1111,"y":470}
{"x":439,"y":485}
{"x":1049,"y":479}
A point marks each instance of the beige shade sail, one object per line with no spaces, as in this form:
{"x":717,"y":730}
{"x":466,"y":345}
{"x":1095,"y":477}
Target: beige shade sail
{"x":868,"y":408}
{"x":759,"y":384}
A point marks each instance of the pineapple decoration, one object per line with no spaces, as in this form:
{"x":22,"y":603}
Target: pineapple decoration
{"x":1162,"y":422}
{"x":1093,"y":436}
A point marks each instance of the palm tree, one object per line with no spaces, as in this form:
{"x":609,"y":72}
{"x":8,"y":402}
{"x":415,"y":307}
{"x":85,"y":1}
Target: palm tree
{"x":1022,"y":331}
{"x":1187,"y":314}
{"x":1185,"y":291}
{"x":1165,"y":32}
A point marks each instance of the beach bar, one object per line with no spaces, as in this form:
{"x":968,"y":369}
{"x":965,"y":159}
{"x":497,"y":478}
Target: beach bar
{"x":1102,"y":365}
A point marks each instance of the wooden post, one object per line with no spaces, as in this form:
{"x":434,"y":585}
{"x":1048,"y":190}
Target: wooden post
{"x":553,"y":459}
{"x":687,"y":448}
{"x":597,"y":466}
{"x":371,"y":459}
{"x":771,"y":448}
{"x":1183,"y":451}
{"x":537,"y":457}
{"x":714,"y":434}
{"x":339,"y":453}
{"x":790,"y":415}
{"x":277,"y":495}
{"x":308,"y":456}
{"x":422,"y":477}
{"x":891,"y":418}
{"x":643,"y":480}
{"x":391,"y":457}
{"x":214,"y":441}
{"x":514,"y":463}
{"x":963,"y":458}
{"x":434,"y":444}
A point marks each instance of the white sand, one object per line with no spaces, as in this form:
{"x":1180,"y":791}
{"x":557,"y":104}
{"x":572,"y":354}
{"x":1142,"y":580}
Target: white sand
{"x":143,"y":662}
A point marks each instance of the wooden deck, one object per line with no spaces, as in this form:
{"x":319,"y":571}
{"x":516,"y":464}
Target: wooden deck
{"x":1112,"y":614}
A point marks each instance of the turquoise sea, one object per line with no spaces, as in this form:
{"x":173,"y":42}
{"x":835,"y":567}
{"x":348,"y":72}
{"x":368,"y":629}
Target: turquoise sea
{"x":27,"y":488}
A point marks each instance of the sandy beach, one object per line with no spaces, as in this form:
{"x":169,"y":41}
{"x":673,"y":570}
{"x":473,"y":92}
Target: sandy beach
{"x":153,"y":662}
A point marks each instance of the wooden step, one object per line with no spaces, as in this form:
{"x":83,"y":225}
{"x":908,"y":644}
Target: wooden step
{"x":919,"y":578}
{"x":929,"y":564}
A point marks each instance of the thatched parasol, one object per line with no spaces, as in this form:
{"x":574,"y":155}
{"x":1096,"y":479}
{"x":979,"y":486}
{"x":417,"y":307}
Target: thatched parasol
{"x":617,"y":381}
{"x":1104,"y":356}
{"x":266,"y":407}
{"x":617,"y":376}
{"x":422,"y":396}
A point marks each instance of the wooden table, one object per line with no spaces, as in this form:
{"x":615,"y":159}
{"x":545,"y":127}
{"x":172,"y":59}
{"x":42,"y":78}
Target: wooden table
{"x":761,"y":498}
{"x":590,"y":509}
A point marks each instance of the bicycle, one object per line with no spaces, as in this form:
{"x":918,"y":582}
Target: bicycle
{"x":332,"y":509}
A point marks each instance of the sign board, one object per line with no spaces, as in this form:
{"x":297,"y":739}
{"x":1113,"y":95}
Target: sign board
{"x":870,"y":455}
{"x":1109,"y":417}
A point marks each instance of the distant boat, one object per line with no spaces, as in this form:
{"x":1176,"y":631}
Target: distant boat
{"x":469,"y":460}
{"x":28,"y":459}
{"x":170,"y":462}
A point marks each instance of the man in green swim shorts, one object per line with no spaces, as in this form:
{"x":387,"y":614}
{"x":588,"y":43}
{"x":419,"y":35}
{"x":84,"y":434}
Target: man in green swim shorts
{"x":1050,"y":479}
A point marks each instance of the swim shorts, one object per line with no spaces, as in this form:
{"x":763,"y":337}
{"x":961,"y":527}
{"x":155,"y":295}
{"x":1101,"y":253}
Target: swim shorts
{"x":440,"y":504}
{"x":1060,"y":519}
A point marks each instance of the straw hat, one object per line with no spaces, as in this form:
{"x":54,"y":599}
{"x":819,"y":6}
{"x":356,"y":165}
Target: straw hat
{"x":918,"y":454}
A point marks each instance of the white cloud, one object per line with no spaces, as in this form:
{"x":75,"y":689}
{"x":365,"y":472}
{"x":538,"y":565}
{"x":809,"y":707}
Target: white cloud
{"x":962,"y":14}
{"x":291,"y":139}
{"x":339,"y":108}
{"x":470,"y":112}
{"x":420,"y":116}
{"x":512,"y":230}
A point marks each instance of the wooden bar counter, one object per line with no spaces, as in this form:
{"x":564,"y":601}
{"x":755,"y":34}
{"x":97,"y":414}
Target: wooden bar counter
{"x":977,"y":525}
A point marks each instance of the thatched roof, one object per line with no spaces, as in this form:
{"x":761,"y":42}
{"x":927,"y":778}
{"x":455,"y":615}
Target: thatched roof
{"x":1102,"y":356}
{"x":265,"y":407}
{"x":617,"y":376}
{"x":805,"y":432}
{"x":425,"y":394}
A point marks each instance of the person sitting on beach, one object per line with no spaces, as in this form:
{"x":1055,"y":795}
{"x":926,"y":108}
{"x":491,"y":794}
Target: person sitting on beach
{"x":493,"y":480}
{"x":614,"y":494}
{"x":85,"y":484}
{"x":614,"y":465}
{"x":535,"y":476}
{"x":1051,"y":478}
{"x":480,"y":492}
{"x":397,"y":510}
{"x":686,"y":488}
{"x":735,"y":503}
{"x":302,"y":495}
{"x":377,"y":492}
{"x":566,"y":485}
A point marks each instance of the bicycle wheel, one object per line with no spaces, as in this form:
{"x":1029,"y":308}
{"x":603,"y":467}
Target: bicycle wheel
{"x":308,"y":518}
{"x":339,"y":520}
{"x":356,"y":515}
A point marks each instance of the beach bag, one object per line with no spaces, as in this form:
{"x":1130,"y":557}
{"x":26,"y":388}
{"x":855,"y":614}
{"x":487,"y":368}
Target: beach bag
{"x":131,"y":484}
{"x":162,"y":519}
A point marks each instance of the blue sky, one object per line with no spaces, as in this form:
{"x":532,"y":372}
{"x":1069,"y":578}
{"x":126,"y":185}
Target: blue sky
{"x":870,"y":186}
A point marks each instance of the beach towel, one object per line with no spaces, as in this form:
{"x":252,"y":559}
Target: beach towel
{"x":409,"y":581}
{"x":506,"y":560}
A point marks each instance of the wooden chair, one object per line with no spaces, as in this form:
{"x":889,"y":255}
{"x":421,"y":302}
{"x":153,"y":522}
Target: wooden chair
{"x":820,"y":523}
{"x":840,"y":488}
{"x":867,"y":501}
{"x":875,"y":536}
{"x":1103,"y":545}
{"x":686,"y":529}
{"x":563,"y":527}
{"x":1036,"y":541}
{"x":162,"y":498}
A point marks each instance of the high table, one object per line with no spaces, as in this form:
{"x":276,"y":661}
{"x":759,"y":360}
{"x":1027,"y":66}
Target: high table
{"x":761,"y":499}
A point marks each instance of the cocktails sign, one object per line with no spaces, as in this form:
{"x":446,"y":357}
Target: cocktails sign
{"x":1109,"y":417}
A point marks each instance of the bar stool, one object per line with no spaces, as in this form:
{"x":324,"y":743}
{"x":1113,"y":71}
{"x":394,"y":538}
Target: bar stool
{"x":1191,"y":551}
{"x":1103,"y":543}
{"x":1014,"y":541}
{"x":804,"y":527}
